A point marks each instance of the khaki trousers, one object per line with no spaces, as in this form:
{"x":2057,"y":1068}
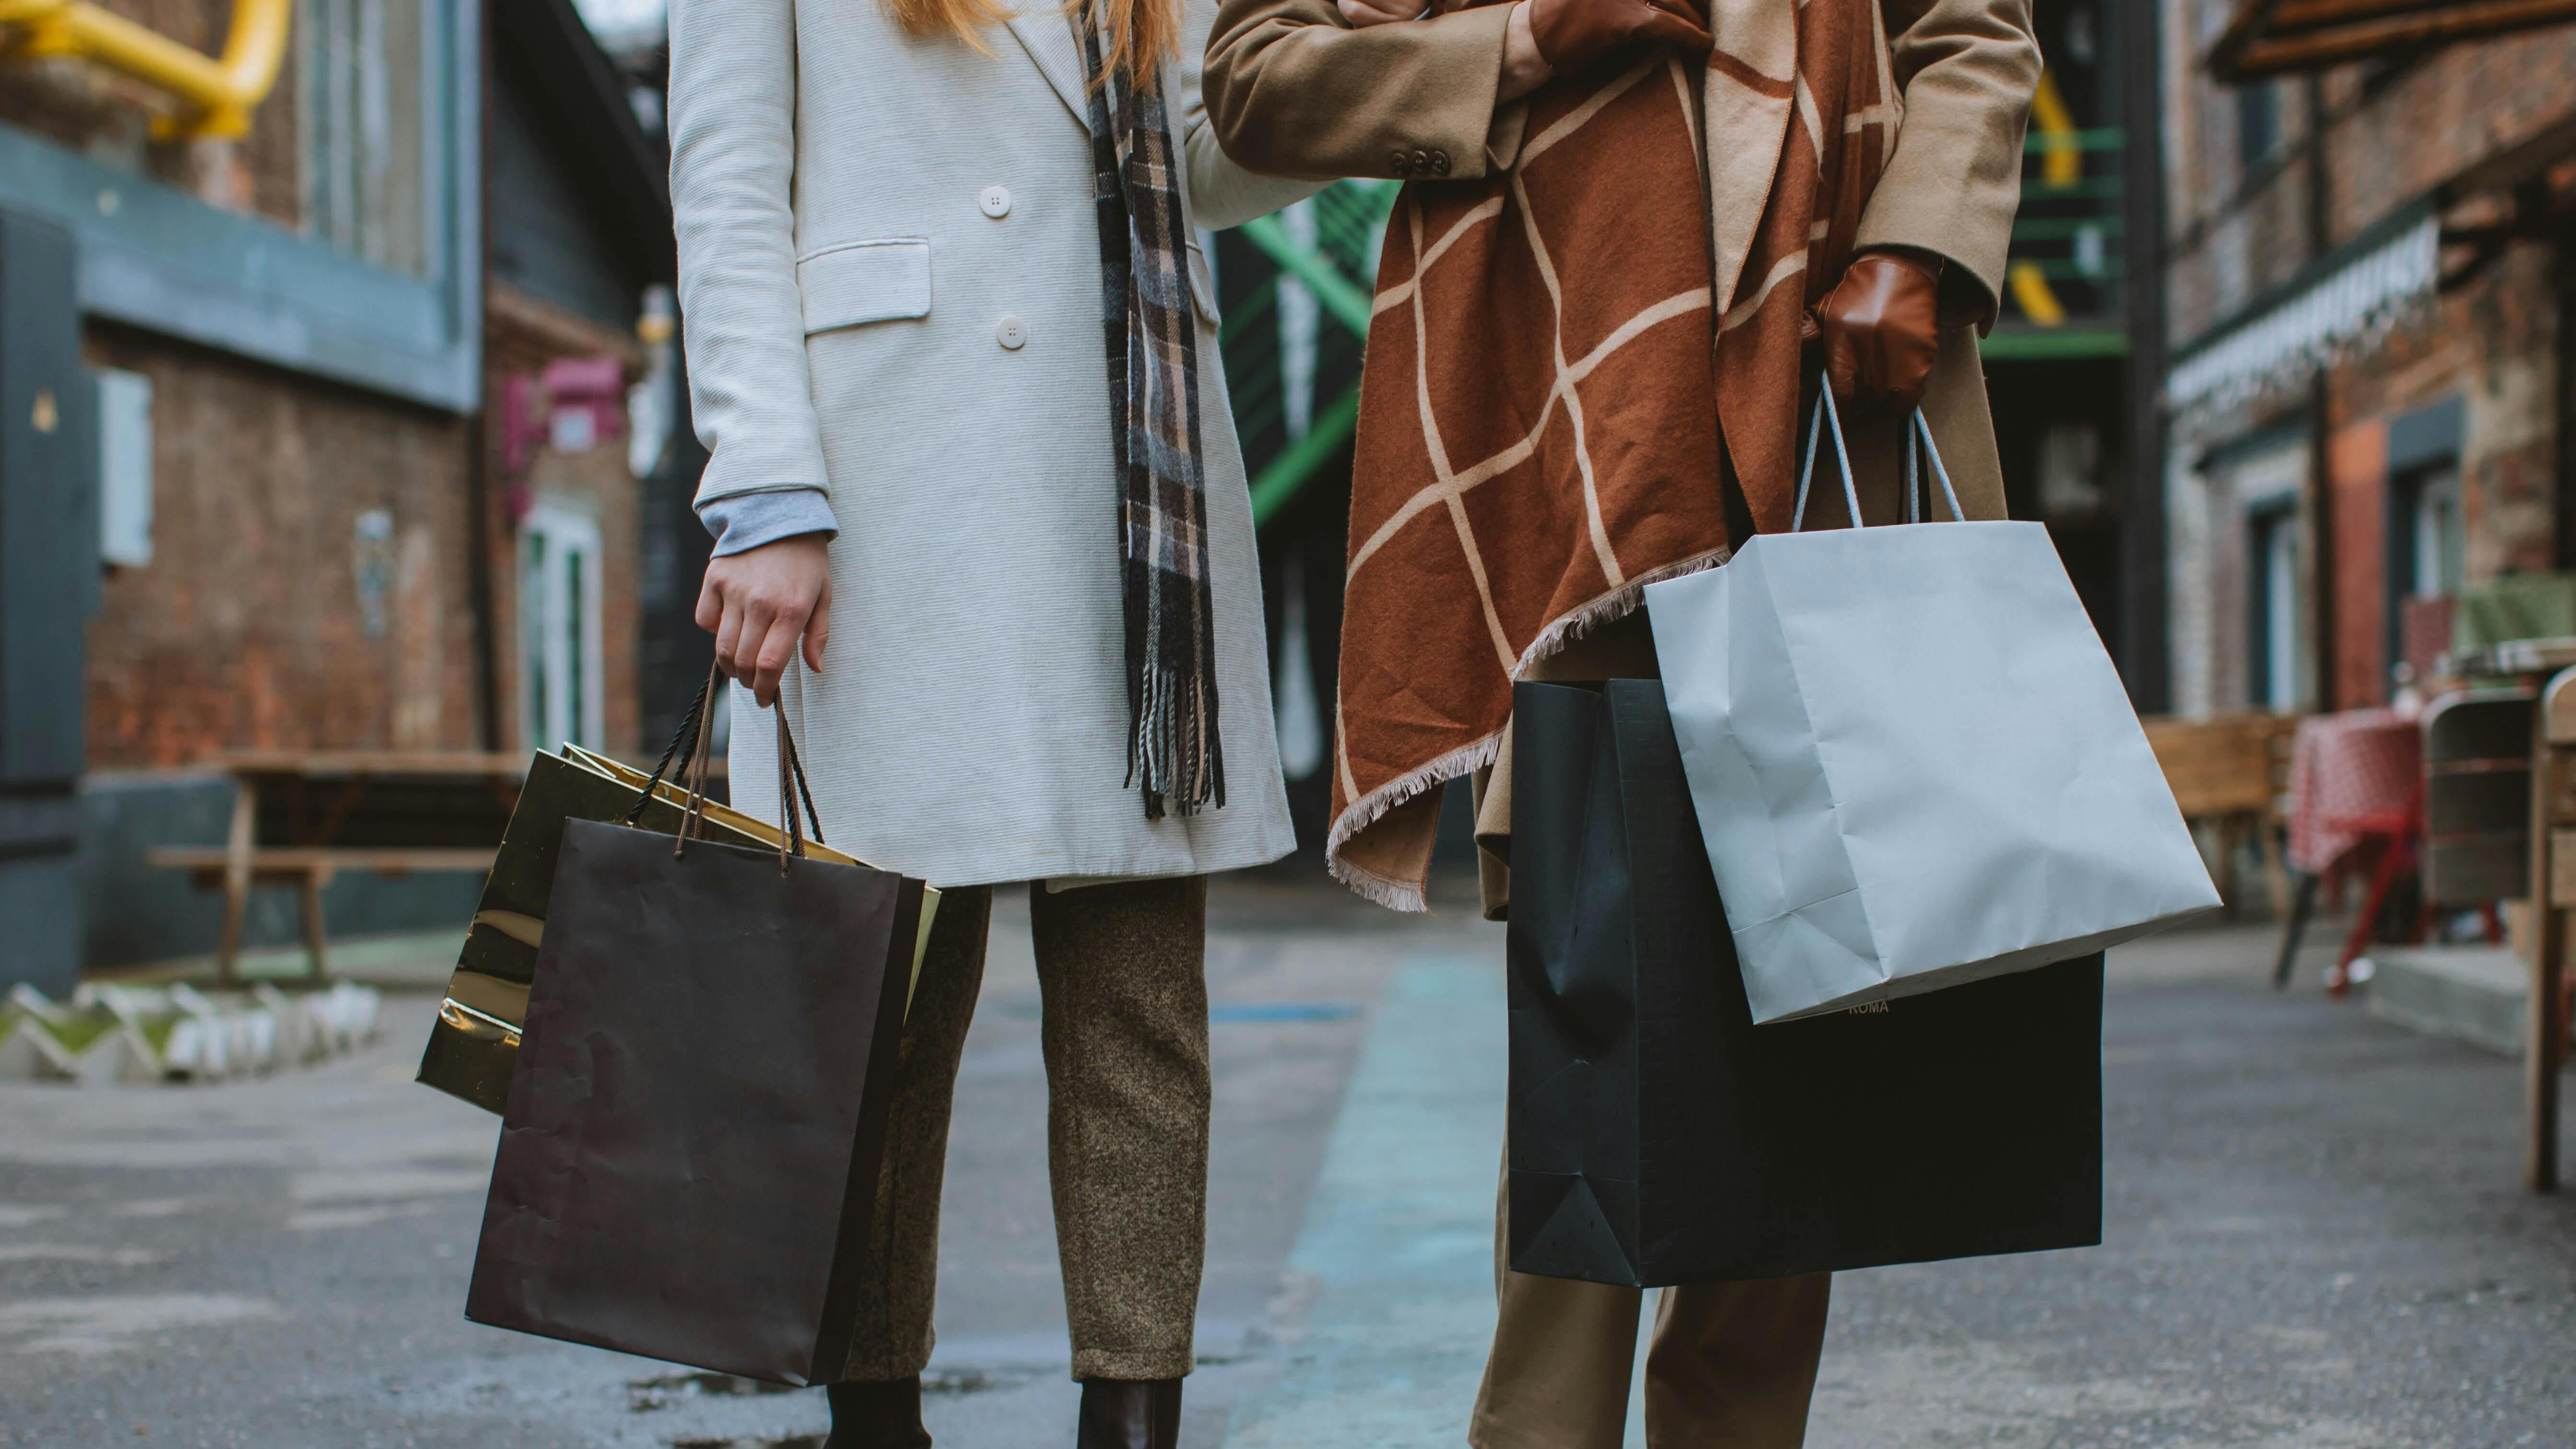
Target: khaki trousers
{"x":1732,"y":1365}
{"x":1121,"y":969}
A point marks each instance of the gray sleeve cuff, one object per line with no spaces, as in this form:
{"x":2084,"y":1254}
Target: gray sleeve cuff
{"x":743,"y":521}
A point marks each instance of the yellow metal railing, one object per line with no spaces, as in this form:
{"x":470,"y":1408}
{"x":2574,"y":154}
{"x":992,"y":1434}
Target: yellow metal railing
{"x":2060,"y":165}
{"x":216,"y":94}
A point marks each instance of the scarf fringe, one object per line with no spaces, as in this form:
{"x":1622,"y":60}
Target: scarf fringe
{"x":1409,"y":896}
{"x":1372,"y":807}
{"x":1175,"y":751}
{"x":1609,"y":608}
{"x":1395,"y":895}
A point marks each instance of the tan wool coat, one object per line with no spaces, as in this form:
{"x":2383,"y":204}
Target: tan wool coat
{"x":1293,"y":90}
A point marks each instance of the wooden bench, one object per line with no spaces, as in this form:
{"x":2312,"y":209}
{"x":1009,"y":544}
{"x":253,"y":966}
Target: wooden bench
{"x":300,"y":818}
{"x":2231,"y":772}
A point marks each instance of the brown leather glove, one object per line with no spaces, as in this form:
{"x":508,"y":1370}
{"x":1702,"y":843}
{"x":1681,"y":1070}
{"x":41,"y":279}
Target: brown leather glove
{"x":1573,"y":34}
{"x":1880,"y":328}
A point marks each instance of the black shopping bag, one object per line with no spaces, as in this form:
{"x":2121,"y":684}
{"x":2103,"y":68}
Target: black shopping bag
{"x":695,"y":1126}
{"x":1659,"y":1136}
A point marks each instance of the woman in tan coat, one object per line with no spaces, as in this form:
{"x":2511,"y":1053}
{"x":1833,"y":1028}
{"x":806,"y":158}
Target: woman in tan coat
{"x":1896,"y":125}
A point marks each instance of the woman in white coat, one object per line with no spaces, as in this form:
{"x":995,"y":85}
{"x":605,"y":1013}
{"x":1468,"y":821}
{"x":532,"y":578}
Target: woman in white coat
{"x":973,"y":469}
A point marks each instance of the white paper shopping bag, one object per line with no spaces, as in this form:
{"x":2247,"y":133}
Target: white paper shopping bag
{"x":1912,"y":761}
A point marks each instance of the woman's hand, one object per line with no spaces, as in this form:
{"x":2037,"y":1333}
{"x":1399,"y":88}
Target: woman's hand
{"x":1524,"y":69}
{"x":757,"y":602}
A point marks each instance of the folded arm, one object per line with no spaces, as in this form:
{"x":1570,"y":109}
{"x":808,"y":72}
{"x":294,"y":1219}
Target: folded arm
{"x":1295,"y":91}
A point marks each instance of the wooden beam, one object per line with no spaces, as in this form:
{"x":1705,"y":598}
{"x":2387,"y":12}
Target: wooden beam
{"x":2310,"y":14}
{"x":2251,"y":19}
{"x":2315,"y":50}
{"x":2517,"y":163}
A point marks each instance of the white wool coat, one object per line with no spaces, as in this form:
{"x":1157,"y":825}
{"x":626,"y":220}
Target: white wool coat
{"x":890,"y":278}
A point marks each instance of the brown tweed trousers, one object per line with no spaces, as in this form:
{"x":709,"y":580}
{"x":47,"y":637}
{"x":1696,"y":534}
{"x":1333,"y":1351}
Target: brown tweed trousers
{"x":1121,"y":969}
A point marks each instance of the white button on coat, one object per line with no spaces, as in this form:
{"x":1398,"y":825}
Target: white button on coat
{"x":1012,"y":333}
{"x":996,"y":201}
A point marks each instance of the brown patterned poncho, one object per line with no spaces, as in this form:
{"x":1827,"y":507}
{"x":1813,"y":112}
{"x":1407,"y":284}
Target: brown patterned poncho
{"x":1547,"y":382}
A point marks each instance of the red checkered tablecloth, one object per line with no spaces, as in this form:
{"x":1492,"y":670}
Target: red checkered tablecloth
{"x":2350,"y":774}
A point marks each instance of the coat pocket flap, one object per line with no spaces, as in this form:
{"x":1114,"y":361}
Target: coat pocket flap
{"x":873,"y":281}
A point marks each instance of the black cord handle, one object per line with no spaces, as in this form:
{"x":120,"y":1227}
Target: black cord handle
{"x":688,"y":727}
{"x":697,"y":725}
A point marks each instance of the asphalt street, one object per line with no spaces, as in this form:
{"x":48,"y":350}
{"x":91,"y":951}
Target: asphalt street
{"x":2315,"y":1239}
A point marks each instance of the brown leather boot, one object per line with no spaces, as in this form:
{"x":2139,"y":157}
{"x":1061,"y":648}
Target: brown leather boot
{"x":1130,"y":1414}
{"x":877,"y":1416}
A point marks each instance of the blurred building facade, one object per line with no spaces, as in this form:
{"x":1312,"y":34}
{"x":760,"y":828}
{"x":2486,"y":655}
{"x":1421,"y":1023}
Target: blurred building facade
{"x":386,"y":399}
{"x":2368,"y":238}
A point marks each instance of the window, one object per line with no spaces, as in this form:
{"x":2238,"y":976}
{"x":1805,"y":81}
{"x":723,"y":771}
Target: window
{"x":124,"y":467}
{"x":2272,"y":560}
{"x":359,"y":118}
{"x":2258,"y":123}
{"x":560,"y":696}
{"x":2427,"y":549}
{"x":2263,"y":478}
{"x":2426,"y":557}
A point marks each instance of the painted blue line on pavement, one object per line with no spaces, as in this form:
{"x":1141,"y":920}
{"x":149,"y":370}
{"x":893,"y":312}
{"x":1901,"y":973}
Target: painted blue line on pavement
{"x":1398,"y":1240}
{"x":1258,"y":1011}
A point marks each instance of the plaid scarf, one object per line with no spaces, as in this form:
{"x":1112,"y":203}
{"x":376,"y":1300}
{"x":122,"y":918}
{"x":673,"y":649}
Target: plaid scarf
{"x":1154,"y":421}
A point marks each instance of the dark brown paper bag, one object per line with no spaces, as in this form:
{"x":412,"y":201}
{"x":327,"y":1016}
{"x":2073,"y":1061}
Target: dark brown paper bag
{"x":690,"y":1151}
{"x":474,"y":1044}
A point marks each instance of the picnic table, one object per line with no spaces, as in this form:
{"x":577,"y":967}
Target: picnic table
{"x":2356,"y":781}
{"x":300,"y":817}
{"x":2353,"y":780}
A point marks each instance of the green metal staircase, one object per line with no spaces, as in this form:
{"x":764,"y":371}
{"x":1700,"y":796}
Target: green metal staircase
{"x":1338,"y":268}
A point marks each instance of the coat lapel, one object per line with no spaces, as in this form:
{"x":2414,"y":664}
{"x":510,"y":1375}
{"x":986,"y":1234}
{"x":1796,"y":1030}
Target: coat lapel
{"x":1047,"y":35}
{"x":1752,"y":85}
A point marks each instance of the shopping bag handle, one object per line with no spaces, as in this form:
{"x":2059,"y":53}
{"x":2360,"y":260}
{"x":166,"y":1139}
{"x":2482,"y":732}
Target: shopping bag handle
{"x":1918,"y":440}
{"x":697,"y":731}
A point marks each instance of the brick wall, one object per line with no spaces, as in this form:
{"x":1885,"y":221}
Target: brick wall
{"x":265,"y":617}
{"x":2234,"y":232}
{"x":2357,"y":471}
{"x":2494,"y":344}
{"x":2393,"y":133}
